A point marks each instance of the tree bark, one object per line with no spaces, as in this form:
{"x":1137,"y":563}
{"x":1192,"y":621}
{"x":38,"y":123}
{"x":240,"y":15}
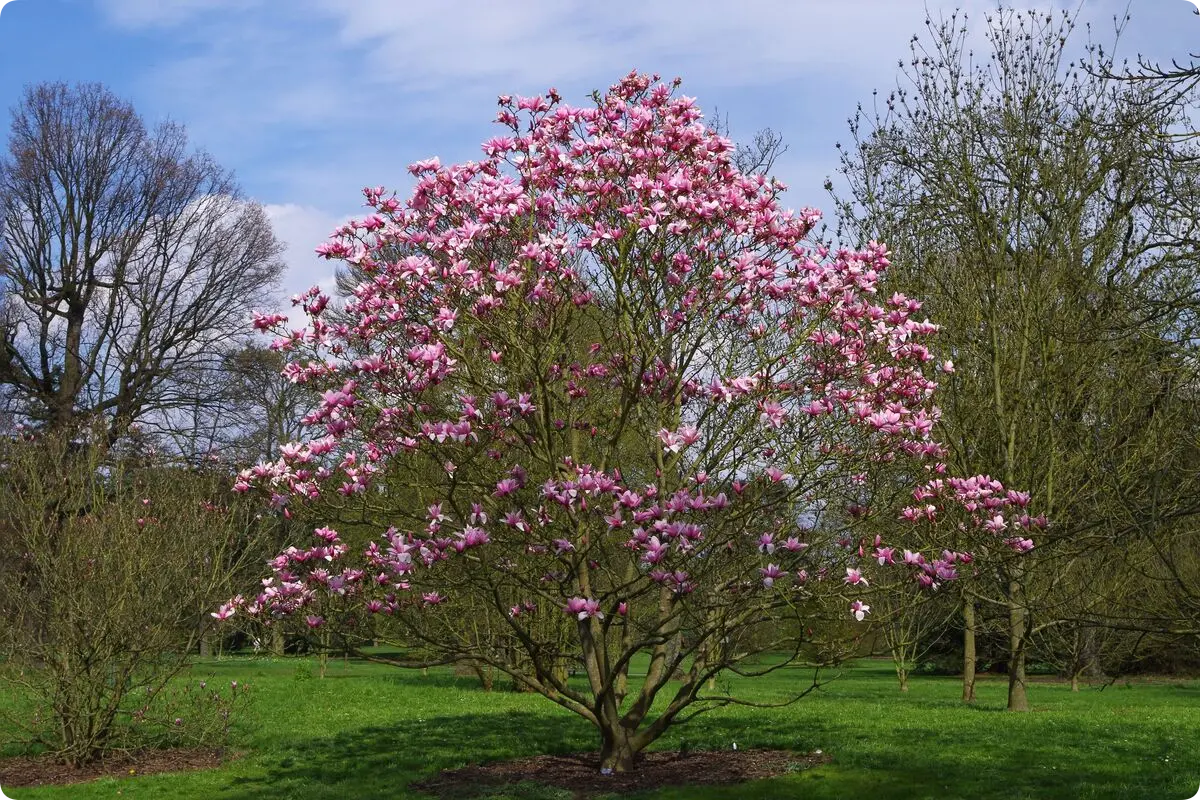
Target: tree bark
{"x":968,"y":692}
{"x":485,"y":675}
{"x":1018,"y":622}
{"x":618,"y":752}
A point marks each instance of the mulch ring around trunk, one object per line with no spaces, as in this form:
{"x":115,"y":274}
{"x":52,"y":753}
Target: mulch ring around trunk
{"x":44,"y":770}
{"x":580,"y":772}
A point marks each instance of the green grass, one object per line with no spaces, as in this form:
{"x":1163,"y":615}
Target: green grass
{"x":368,"y":731}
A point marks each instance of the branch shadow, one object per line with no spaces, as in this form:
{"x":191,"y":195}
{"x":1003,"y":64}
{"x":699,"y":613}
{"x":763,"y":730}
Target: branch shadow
{"x":910,"y":756}
{"x":380,"y":761}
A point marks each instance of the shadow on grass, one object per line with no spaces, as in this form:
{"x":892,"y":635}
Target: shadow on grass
{"x":465,"y":683}
{"x":379,"y":761}
{"x":907,"y":761}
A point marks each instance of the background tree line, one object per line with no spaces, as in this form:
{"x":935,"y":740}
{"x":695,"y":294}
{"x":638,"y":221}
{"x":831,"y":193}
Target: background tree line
{"x":1044,"y":206}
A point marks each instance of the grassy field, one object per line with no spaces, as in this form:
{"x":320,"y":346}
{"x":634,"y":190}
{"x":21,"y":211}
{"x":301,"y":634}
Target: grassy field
{"x":368,"y":731}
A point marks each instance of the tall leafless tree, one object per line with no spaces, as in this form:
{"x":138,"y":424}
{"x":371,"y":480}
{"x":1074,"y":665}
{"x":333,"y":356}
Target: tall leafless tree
{"x":258,"y":410}
{"x":129,"y":262}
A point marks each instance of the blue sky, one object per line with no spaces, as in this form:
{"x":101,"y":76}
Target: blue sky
{"x":310,"y":100}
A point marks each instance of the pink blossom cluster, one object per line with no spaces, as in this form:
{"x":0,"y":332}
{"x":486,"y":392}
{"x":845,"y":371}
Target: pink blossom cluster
{"x":766,"y":372}
{"x":990,"y":507}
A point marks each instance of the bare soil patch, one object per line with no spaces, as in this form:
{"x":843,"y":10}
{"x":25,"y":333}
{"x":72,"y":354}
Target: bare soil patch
{"x":44,"y":770}
{"x":580,"y":772}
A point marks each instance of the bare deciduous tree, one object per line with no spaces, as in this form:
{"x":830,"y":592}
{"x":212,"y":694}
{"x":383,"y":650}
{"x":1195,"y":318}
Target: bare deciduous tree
{"x":130,"y":263}
{"x":255,"y":410}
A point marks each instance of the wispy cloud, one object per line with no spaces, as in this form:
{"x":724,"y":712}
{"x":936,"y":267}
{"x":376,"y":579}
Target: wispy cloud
{"x":311,"y":99}
{"x":146,"y":14}
{"x":302,"y":228}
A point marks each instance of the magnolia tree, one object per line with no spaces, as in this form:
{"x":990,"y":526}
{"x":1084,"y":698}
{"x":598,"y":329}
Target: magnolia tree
{"x":644,"y":412}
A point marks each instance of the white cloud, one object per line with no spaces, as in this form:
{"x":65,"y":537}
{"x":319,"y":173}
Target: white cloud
{"x":315,"y":98}
{"x":468,"y":43}
{"x":547,"y":40}
{"x":302,"y":228}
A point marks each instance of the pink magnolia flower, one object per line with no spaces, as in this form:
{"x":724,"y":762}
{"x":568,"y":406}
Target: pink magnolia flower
{"x":688,"y":435}
{"x":772,"y":414}
{"x":630,"y":499}
{"x":505,"y":487}
{"x":1020,"y":499}
{"x":224,"y":612}
{"x":676,"y":441}
{"x":777,"y":475}
{"x":583,"y":608}
{"x":996,"y":524}
{"x":859,"y":609}
{"x":770,"y":574}
{"x":742,"y":385}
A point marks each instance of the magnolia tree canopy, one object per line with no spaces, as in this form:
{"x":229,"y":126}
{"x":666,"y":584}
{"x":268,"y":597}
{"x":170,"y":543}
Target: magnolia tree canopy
{"x":644,"y":413}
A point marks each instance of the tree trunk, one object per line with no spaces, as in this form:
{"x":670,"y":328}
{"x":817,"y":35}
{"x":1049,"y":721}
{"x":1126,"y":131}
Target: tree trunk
{"x":71,"y":377}
{"x":1089,"y":663}
{"x":560,"y":671}
{"x":968,"y":692}
{"x":1018,"y":622}
{"x":617,"y":752}
{"x":1078,"y":659}
{"x":900,"y":657}
{"x":485,"y":675}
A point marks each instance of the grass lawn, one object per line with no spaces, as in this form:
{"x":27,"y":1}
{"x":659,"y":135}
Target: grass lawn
{"x":367,"y":731}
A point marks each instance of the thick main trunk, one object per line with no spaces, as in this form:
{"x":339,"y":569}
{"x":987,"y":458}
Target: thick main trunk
{"x":1018,"y":622}
{"x":618,"y":752}
{"x":968,"y":683}
{"x":62,"y":415}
